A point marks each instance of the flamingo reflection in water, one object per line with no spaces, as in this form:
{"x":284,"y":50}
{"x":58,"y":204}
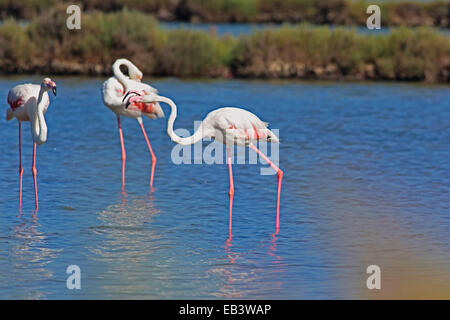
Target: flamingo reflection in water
{"x":128,"y":245}
{"x":30,"y":250}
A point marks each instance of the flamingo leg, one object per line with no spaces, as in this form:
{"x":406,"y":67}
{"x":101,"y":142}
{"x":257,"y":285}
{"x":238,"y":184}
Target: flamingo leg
{"x":151,"y":152}
{"x":280,"y":178}
{"x":34,"y":171}
{"x":20,"y":165}
{"x":231,"y":192}
{"x":124,"y":154}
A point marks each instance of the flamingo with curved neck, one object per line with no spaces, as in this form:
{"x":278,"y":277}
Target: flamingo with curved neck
{"x":231,"y":126}
{"x":29,"y":102}
{"x":113,"y":97}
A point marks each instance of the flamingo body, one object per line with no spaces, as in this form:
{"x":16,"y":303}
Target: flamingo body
{"x":22,"y":100}
{"x":236,"y":127}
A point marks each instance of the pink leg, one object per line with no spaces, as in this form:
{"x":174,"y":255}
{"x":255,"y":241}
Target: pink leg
{"x":124,"y":155}
{"x":151,"y":152}
{"x":231,"y":193}
{"x":34,"y":171}
{"x":20,"y":165}
{"x":280,"y":178}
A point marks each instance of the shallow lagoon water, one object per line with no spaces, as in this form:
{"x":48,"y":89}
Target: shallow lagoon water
{"x":243,"y":29}
{"x":367,"y":181}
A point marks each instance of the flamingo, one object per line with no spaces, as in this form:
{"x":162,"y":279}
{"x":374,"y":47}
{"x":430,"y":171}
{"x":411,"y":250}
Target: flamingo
{"x":113,"y":92}
{"x":231,"y":126}
{"x":29,"y":102}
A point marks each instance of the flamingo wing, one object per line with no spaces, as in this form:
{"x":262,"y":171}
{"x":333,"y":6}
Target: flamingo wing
{"x":151,"y":110}
{"x":20,"y":95}
{"x":144,"y":87}
{"x":112,"y":92}
{"x":17,"y":96}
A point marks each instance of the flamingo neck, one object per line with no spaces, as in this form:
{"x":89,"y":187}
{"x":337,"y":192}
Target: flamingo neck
{"x":197,"y":136}
{"x":38,"y":124}
{"x":124,"y":80}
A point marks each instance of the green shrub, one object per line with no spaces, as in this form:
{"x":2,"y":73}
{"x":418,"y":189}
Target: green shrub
{"x":16,"y":47}
{"x":337,"y":12}
{"x":193,"y":53}
{"x":289,"y":51}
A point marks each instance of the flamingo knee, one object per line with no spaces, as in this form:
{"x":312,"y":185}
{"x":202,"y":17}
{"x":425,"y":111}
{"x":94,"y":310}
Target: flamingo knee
{"x":280,"y":174}
{"x":231,"y":193}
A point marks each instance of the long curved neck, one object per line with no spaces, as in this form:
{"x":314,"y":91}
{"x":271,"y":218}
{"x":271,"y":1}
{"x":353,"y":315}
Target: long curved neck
{"x":124,"y":80}
{"x":38,"y":125}
{"x":197,"y":136}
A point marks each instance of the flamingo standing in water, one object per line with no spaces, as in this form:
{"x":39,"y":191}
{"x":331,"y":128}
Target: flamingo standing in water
{"x":113,"y":97}
{"x":29,"y":102}
{"x":231,"y":126}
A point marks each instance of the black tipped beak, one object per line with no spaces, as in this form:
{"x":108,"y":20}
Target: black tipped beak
{"x":54,"y":91}
{"x":128,"y":93}
{"x":125,"y":96}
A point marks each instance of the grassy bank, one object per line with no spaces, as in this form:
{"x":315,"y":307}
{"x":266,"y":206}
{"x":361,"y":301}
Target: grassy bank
{"x":338,"y":12}
{"x":47,"y":46}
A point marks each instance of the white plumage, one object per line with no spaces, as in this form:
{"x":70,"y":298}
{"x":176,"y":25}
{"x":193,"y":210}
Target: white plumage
{"x":229,"y":125}
{"x":237,"y":127}
{"x":29,"y":102}
{"x":114,"y":89}
{"x":23,"y":101}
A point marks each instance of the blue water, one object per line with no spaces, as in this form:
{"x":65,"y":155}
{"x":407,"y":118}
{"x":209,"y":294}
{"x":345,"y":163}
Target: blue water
{"x":367,"y":181}
{"x":240,"y":29}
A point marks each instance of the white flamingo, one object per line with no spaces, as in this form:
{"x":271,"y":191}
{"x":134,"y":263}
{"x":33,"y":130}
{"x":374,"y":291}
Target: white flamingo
{"x":231,"y":126}
{"x":113,"y":97}
{"x":29,"y":102}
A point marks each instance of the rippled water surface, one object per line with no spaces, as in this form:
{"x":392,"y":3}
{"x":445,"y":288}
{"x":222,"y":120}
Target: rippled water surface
{"x":367,"y":181}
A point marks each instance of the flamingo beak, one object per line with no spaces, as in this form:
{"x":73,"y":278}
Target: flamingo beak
{"x":135,"y":94}
{"x":125,"y":96}
{"x":52,"y":86}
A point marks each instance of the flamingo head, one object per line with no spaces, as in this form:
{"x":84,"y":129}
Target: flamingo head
{"x":135,"y":96}
{"x":49,"y":84}
{"x":147,"y":103}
